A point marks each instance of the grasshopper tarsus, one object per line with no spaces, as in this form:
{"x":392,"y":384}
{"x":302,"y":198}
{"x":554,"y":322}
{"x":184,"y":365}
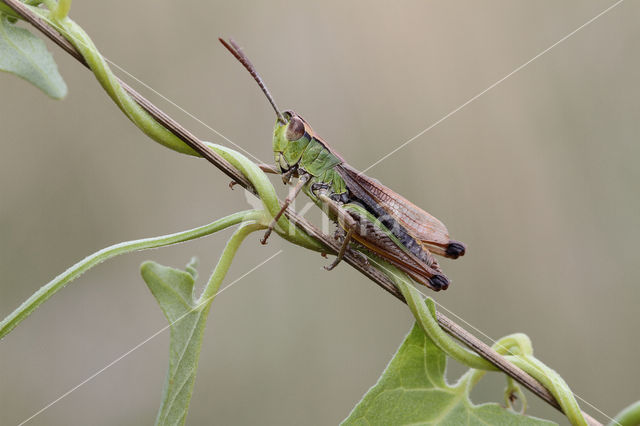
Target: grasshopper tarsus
{"x":232,"y":184}
{"x":265,"y":237}
{"x":333,"y":264}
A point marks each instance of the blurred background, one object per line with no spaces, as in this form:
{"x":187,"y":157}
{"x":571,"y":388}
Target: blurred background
{"x":539,"y":176}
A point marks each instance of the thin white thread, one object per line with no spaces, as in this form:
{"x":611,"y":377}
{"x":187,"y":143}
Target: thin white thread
{"x":94,"y":375}
{"x":75,"y":39}
{"x":178,"y":107}
{"x":492,"y":86}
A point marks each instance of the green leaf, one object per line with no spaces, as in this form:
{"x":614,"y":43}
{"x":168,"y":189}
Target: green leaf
{"x":174,"y":290}
{"x":26,"y":56}
{"x":413,"y":390}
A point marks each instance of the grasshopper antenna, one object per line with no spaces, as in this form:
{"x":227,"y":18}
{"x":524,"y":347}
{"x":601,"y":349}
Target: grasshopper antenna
{"x":242,"y":58}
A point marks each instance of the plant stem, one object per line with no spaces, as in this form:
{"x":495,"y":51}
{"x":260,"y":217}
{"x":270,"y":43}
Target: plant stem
{"x":62,"y":10}
{"x":554,"y":383}
{"x":427,"y":320}
{"x":220,"y":271}
{"x":49,"y":289}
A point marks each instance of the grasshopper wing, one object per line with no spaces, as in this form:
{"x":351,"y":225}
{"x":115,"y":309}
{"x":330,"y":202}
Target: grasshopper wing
{"x":377,"y":239}
{"x":421,"y":225}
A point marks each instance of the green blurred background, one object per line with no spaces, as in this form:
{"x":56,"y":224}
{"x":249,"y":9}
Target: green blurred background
{"x":539,"y":177}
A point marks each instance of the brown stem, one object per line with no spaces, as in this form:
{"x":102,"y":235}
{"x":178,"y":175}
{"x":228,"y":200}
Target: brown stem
{"x":333,"y":246}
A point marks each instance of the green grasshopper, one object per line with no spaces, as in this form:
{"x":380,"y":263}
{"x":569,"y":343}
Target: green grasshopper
{"x":368,"y":213}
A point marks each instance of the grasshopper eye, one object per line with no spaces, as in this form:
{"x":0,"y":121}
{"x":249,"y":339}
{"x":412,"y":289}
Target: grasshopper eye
{"x":295,"y":130}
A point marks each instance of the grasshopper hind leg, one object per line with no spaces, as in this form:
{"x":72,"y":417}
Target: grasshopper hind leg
{"x":362,"y":258}
{"x":343,"y":249}
{"x":344,"y":220}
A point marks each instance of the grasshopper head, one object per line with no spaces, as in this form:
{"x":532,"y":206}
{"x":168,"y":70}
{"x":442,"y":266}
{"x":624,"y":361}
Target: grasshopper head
{"x":289,"y":136}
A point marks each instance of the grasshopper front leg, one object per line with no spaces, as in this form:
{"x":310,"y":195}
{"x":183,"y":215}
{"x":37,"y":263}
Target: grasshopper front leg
{"x":344,"y":219}
{"x":293,"y":193}
{"x":286,"y":176}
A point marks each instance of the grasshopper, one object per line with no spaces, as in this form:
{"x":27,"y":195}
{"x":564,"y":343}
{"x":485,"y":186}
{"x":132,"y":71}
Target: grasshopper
{"x":369,"y":214}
